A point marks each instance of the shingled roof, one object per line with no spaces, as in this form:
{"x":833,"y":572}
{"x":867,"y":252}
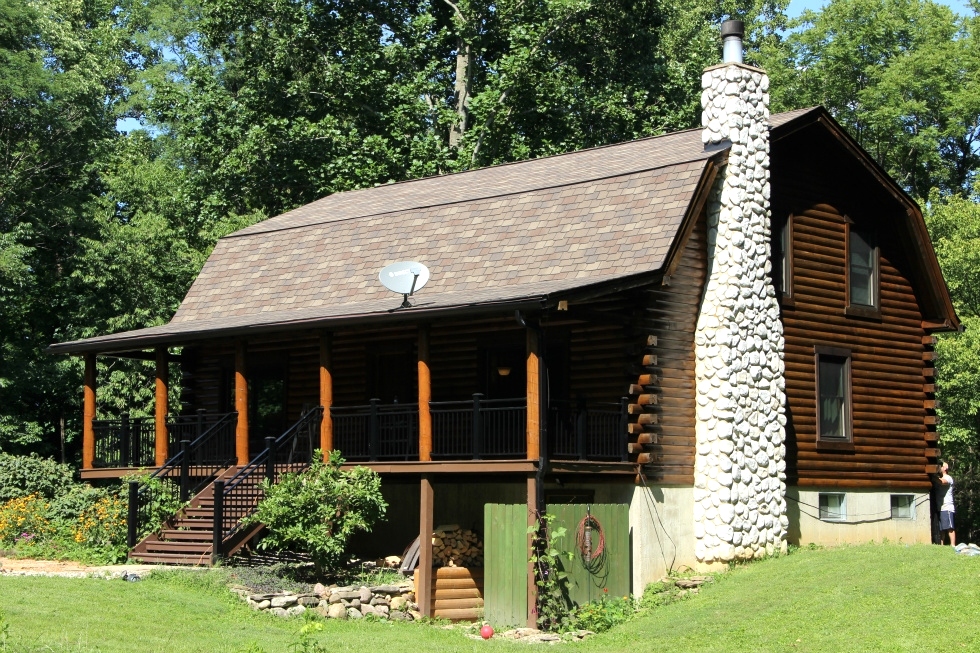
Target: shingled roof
{"x":504,"y":235}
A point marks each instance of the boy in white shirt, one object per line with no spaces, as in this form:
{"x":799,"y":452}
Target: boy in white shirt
{"x":947,"y":528}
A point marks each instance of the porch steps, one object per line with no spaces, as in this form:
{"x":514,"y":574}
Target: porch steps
{"x":186,"y":538}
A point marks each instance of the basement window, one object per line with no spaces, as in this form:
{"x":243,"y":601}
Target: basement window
{"x":832,"y":506}
{"x":903,"y":506}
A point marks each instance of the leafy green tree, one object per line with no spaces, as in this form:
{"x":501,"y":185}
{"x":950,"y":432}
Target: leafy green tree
{"x":903,"y":76}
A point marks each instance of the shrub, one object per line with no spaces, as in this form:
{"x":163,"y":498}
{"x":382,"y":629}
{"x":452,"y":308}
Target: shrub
{"x":601,"y":615}
{"x":21,"y":476}
{"x":316,"y":511}
{"x":24,"y":519}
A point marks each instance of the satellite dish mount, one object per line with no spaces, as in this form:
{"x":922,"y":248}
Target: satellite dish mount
{"x":404,"y":278}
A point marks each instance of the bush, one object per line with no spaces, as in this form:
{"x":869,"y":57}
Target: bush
{"x":24,"y":520}
{"x":601,"y":615}
{"x":316,"y":511}
{"x":21,"y":476}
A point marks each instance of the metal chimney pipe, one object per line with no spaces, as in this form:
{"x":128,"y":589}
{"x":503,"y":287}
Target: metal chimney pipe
{"x":732,"y":32}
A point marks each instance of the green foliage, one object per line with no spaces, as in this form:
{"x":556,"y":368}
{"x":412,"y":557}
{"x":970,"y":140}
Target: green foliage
{"x":900,"y":75}
{"x":24,"y":475}
{"x":318,"y":510}
{"x":599,"y":616}
{"x":45,"y":514}
{"x":554,"y":607}
{"x":158,"y":501}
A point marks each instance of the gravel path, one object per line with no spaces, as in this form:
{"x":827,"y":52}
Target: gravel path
{"x":18,"y":567}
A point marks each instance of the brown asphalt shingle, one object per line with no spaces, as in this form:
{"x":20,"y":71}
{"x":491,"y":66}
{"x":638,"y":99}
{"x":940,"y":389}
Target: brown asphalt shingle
{"x":504,"y":233}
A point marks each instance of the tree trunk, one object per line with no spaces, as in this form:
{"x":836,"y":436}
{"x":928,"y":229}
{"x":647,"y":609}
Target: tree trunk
{"x":462,"y":91}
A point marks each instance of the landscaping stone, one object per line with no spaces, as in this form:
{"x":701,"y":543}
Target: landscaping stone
{"x":283,"y":601}
{"x":364,"y":594}
{"x":335,"y":597}
{"x":354,"y":603}
{"x":354,"y":614}
{"x":319,"y":589}
{"x":379,"y":600}
{"x":398,"y":603}
{"x":337,"y":611}
{"x":415,"y":614}
{"x":367,"y":609}
{"x":398,"y":615}
{"x":309,"y":601}
{"x":390,"y":589}
{"x":279,"y":612}
{"x":296,"y":610}
{"x":381,"y":610}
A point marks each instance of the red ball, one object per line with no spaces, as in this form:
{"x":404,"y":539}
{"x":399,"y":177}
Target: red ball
{"x":487,"y":631}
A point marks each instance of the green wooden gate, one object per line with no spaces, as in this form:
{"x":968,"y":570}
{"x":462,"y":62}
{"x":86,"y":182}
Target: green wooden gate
{"x":505,"y":557}
{"x":610,"y":571}
{"x":505,"y":564}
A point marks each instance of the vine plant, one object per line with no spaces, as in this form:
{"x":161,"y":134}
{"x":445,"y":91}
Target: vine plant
{"x":554,"y":607}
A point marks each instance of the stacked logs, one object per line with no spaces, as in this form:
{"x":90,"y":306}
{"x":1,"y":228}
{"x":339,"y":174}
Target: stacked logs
{"x":644,"y":406}
{"x":456,"y":547}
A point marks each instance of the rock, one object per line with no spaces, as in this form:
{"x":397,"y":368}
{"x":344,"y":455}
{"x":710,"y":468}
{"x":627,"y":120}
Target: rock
{"x":387,"y":589}
{"x":263,"y":605}
{"x":348,"y":594}
{"x":354,"y":603}
{"x":398,"y":603}
{"x":415,"y":614}
{"x":398,"y":615}
{"x":279,"y":612}
{"x":258,"y":598}
{"x":335,"y":597}
{"x":319,"y":589}
{"x":296,"y":610}
{"x":309,"y":601}
{"x":353,"y":613}
{"x":381,"y":610}
{"x":379,"y":600}
{"x":337,"y":611}
{"x":283,"y":601}
{"x":364,"y":595}
{"x":367,"y":609}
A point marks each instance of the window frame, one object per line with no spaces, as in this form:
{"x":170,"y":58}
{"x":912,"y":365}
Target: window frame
{"x":911,"y":506}
{"x":784,"y":242}
{"x":833,"y":443}
{"x":872,"y":310}
{"x":843,"y":507}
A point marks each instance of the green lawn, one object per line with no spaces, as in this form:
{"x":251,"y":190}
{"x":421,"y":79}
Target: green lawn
{"x":866,"y":598}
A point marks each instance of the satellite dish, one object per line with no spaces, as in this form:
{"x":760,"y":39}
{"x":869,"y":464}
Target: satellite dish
{"x":404,"y":278}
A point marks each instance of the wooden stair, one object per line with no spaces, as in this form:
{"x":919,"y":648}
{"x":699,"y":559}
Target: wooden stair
{"x":186,"y":538}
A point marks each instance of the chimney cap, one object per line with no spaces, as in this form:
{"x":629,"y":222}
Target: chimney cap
{"x":733,"y":28}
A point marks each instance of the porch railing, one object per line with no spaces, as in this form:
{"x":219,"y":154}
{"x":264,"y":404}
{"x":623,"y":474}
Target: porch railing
{"x":580,"y":431}
{"x":376,"y":431}
{"x":238,"y":497}
{"x":124,"y":442}
{"x":479,"y":428}
{"x":131,"y":442}
{"x":197,"y":463}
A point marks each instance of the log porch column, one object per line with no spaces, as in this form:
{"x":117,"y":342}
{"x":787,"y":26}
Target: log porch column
{"x":326,"y":394}
{"x":241,"y":405}
{"x":533,"y":395}
{"x":425,"y":396}
{"x":423,"y":588}
{"x":88,"y":413}
{"x":162,"y":405}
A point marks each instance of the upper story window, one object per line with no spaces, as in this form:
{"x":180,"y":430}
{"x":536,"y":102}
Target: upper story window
{"x":862,"y":273}
{"x":833,"y":395}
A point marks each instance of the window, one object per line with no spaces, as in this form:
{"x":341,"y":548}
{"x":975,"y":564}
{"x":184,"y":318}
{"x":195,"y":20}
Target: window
{"x":902,"y":506}
{"x":832,"y":507}
{"x":783,"y":261}
{"x":833,"y":385}
{"x":862,"y":274}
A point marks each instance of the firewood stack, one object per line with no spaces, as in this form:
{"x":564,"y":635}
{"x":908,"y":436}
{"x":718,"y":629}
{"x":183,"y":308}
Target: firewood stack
{"x":456,"y":547}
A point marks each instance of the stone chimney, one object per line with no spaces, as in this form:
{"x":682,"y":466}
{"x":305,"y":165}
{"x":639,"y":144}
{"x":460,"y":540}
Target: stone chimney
{"x":740,"y":468}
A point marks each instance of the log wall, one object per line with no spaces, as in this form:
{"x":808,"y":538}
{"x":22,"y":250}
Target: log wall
{"x":893,"y":425}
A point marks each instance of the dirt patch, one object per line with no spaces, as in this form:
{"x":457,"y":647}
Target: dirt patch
{"x":22,"y":567}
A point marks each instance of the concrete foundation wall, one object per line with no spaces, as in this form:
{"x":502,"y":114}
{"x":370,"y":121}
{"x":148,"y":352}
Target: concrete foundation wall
{"x":867,"y":518}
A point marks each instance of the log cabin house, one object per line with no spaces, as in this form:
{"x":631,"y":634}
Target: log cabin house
{"x":728,"y":330}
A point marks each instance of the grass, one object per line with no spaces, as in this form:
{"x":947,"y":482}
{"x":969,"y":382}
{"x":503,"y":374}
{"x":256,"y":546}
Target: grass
{"x":862,"y":598}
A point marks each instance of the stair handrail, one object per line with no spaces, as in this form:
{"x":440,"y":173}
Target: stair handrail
{"x":177,"y":465}
{"x":240,"y":494}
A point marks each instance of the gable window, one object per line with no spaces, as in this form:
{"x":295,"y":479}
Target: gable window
{"x":902,"y":506}
{"x":833,"y":384}
{"x":862,"y":273}
{"x":833,"y":506}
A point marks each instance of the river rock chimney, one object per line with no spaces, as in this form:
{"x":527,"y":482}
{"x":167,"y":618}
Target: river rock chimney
{"x":739,"y":475}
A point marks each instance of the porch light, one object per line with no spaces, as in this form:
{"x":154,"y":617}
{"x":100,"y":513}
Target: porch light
{"x":503,"y":371}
